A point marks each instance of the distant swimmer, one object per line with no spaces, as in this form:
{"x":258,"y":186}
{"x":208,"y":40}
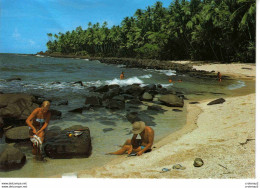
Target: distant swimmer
{"x":219,"y":77}
{"x":122,"y":76}
{"x":170,"y":80}
{"x":179,"y":80}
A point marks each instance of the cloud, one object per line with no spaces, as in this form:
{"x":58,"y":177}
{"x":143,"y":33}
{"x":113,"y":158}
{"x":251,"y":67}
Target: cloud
{"x":16,"y":34}
{"x":31,"y":42}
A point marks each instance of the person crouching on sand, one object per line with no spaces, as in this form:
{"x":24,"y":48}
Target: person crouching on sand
{"x":122,"y":76}
{"x":38,"y":122}
{"x":138,"y":146}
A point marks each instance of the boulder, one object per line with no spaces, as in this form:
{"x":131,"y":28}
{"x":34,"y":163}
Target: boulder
{"x":147,"y":97}
{"x":198,"y":162}
{"x":13,"y":79}
{"x":18,"y":106}
{"x":150,"y":87}
{"x":63,"y":103}
{"x":55,"y":114}
{"x":93,"y":100}
{"x":114,"y":104}
{"x":113,"y":86}
{"x":119,"y":98}
{"x":11,"y":158}
{"x":111,"y":93}
{"x":217,"y":101}
{"x":132,"y":117}
{"x":135,"y":102}
{"x":62,"y":146}
{"x":102,"y":89}
{"x":134,"y":90}
{"x":171,"y":100}
{"x":154,"y":108}
{"x":17,"y":133}
{"x":79,"y":82}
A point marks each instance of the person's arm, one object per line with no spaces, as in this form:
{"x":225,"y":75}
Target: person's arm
{"x":46,"y":123}
{"x":132,"y":143}
{"x":149,"y":145}
{"x":29,"y":120}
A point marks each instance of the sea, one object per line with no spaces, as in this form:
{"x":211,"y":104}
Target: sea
{"x":56,"y":79}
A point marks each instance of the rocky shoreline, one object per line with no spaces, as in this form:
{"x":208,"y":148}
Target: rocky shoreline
{"x":186,"y":68}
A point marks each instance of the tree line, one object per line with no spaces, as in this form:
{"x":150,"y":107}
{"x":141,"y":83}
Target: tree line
{"x":196,"y":29}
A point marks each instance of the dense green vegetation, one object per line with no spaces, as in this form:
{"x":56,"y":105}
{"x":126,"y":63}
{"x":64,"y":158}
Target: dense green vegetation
{"x":198,"y":30}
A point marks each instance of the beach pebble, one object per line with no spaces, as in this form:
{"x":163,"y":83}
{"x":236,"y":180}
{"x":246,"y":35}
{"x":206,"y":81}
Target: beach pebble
{"x":179,"y":167}
{"x":198,"y":162}
{"x":165,"y":169}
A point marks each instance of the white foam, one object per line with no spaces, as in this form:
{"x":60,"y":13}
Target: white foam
{"x":86,"y":59}
{"x":166,"y":85}
{"x":39,"y":55}
{"x":146,"y":76}
{"x":237,"y":85}
{"x":129,"y":81}
{"x":121,"y":66}
{"x":167,"y":72}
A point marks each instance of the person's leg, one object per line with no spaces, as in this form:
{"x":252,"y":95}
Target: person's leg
{"x":127,"y":142}
{"x":121,"y":151}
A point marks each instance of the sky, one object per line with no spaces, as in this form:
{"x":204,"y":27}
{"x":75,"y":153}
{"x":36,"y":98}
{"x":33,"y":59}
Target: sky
{"x":24,"y":24}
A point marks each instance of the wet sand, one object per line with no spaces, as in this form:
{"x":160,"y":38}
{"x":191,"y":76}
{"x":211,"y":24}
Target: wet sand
{"x":222,"y":135}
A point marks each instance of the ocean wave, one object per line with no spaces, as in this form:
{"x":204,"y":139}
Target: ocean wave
{"x":167,"y":72}
{"x":121,"y":66}
{"x":129,"y":81}
{"x":146,"y":76}
{"x":237,"y":85}
{"x":39,"y":55}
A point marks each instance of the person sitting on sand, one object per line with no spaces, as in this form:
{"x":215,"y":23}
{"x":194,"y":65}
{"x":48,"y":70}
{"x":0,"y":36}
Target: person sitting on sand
{"x":138,"y":146}
{"x":219,"y":77}
{"x":38,"y":122}
{"x":122,"y":76}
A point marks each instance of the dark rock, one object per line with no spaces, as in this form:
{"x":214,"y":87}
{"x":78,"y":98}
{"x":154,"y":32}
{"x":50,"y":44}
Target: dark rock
{"x":56,"y":83}
{"x":114,"y":104}
{"x":159,"y":86}
{"x":198,"y":162}
{"x":176,"y":110}
{"x":193,"y":102}
{"x":102,"y":89}
{"x":119,"y":98}
{"x":76,"y":127}
{"x":93,"y":100}
{"x":126,"y":96}
{"x":150,"y":87}
{"x":132,"y":117}
{"x":13,"y":79}
{"x":107,"y":129}
{"x":79,"y":82}
{"x":18,"y":106}
{"x":77,"y":110}
{"x":1,"y":123}
{"x":155,"y":108}
{"x":92,"y":88}
{"x":17,"y":133}
{"x":55,"y":114}
{"x":217,"y":101}
{"x":171,"y":100}
{"x":64,"y":147}
{"x":134,"y":90}
{"x":135,"y":101}
{"x":147,"y":97}
{"x":164,"y":91}
{"x":63,"y":103}
{"x":11,"y":158}
{"x":111,"y":93}
{"x":114,"y":86}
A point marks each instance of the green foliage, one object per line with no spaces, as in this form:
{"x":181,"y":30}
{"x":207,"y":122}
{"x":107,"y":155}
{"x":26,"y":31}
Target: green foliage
{"x":195,"y":29}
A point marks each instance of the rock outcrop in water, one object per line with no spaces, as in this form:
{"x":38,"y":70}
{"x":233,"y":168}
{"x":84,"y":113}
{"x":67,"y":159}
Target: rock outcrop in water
{"x":59,"y":145}
{"x":11,"y":158}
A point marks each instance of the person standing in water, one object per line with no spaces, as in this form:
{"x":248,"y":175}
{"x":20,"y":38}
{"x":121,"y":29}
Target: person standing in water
{"x":219,"y":77}
{"x":138,"y":146}
{"x":122,"y":76}
{"x":38,"y":122}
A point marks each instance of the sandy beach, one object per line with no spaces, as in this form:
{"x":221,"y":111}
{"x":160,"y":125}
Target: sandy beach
{"x":222,"y":135}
